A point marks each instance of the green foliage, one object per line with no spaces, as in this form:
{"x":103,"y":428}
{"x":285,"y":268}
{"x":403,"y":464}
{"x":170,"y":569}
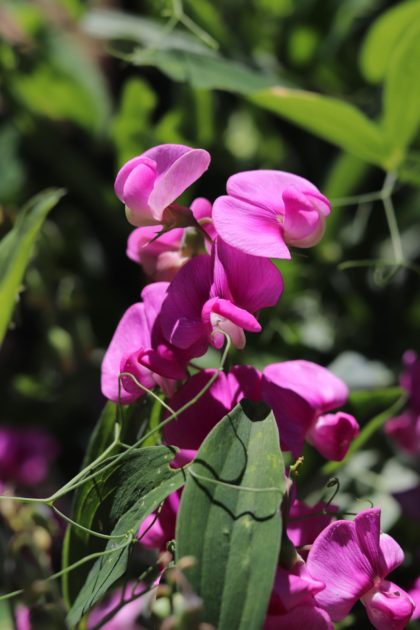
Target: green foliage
{"x":229,"y":518}
{"x":402,"y":90}
{"x":16,"y":249}
{"x":132,"y":490}
{"x":387,"y":33}
{"x":331,"y":119}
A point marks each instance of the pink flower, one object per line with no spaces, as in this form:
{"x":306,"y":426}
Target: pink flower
{"x":139,"y":348}
{"x":292,"y":605}
{"x":161,"y":257}
{"x":192,"y":426}
{"x":219,"y":293}
{"x":127,"y":616}
{"x":353,"y":559}
{"x":25,"y":455}
{"x":300,"y":393}
{"x":265,"y":211}
{"x":150,"y":183}
{"x":158,"y":529}
{"x":414,"y":593}
{"x":404,"y":430}
{"x":305,"y":523}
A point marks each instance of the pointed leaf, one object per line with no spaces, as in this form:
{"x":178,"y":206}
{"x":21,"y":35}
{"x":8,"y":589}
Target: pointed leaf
{"x":131,"y":492}
{"x":329,"y":118}
{"x":16,"y":249}
{"x":229,"y":518}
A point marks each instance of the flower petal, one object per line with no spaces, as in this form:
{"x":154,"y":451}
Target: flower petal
{"x":250,"y":228}
{"x":178,"y":167}
{"x":337,"y":560}
{"x":392,"y":554}
{"x":332,"y":434}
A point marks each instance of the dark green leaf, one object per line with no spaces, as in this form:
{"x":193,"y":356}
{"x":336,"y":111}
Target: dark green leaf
{"x":386,"y":34}
{"x":132,"y":491}
{"x":229,"y":518}
{"x":329,"y":118}
{"x":16,"y":249}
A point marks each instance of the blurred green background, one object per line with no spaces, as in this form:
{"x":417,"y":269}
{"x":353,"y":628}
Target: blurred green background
{"x":84,"y":86}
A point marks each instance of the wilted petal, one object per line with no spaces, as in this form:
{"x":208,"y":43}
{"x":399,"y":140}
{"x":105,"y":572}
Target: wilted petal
{"x":332,"y":434}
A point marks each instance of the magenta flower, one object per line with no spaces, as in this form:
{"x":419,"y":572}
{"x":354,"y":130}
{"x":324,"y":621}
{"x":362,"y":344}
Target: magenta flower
{"x":414,"y":593}
{"x":302,"y":530}
{"x":163,"y":256}
{"x":293,"y":605}
{"x":265,"y":211}
{"x":300,"y":393}
{"x":150,"y":183}
{"x":353,"y":559}
{"x":127,"y":616}
{"x":404,"y":430}
{"x":192,"y":426}
{"x":219,"y":294}
{"x":25,"y":455}
{"x":158,"y":529}
{"x":139,"y":348}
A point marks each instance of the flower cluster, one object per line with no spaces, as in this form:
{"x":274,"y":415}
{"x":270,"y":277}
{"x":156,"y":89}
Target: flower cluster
{"x":211,"y":272}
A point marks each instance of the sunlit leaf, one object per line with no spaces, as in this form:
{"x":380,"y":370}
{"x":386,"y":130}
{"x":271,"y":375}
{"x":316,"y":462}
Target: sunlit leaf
{"x":385,"y":35}
{"x":229,"y":518}
{"x":16,"y":249}
{"x":402,"y":90}
{"x":329,"y":118}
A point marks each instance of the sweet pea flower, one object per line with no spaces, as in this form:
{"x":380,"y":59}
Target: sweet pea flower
{"x":139,"y":348}
{"x":25,"y":455}
{"x":300,"y":394}
{"x":293,"y":605}
{"x":414,"y":593}
{"x":190,"y":428}
{"x":353,"y":560}
{"x":305,"y":522}
{"x":404,"y":430}
{"x":217,"y":294}
{"x":158,"y":529}
{"x":162,"y":254}
{"x":150,"y":183}
{"x":265,"y":211}
{"x":127,"y":616}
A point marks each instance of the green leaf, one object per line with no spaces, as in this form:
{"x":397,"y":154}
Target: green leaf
{"x":386,"y":34}
{"x":127,"y":495}
{"x":402,"y":91}
{"x":89,"y":506}
{"x":229,"y":518}
{"x":16,"y":249}
{"x":329,"y":118}
{"x":203,"y":71}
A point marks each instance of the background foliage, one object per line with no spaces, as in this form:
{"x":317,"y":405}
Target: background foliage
{"x":325,"y":88}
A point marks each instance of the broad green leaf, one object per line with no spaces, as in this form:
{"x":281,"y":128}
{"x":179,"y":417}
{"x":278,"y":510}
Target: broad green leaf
{"x":229,"y":518}
{"x":401,"y":99}
{"x":16,"y":249}
{"x":204,"y":71}
{"x":329,"y":118}
{"x":89,"y":499}
{"x":386,"y":34}
{"x":132,"y":491}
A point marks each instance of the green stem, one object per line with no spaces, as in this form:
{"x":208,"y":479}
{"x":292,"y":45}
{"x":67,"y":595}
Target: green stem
{"x":86,"y":529}
{"x":71,"y":567}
